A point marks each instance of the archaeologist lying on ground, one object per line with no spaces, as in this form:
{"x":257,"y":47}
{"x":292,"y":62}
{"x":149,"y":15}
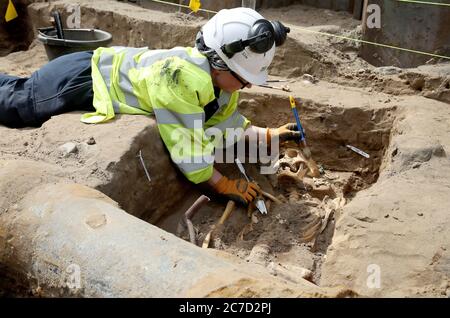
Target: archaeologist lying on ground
{"x":189,"y":91}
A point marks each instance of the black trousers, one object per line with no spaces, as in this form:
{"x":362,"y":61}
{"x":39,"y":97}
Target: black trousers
{"x":62,"y":85}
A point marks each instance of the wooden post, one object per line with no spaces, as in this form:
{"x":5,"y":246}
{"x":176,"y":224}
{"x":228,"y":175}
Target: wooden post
{"x":364,"y":16}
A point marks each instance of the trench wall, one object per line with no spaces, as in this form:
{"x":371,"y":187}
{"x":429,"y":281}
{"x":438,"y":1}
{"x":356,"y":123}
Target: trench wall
{"x":329,"y":128}
{"x":15,"y":35}
{"x":413,"y":26}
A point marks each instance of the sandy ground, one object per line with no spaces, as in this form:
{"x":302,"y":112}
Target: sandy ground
{"x":390,"y":211}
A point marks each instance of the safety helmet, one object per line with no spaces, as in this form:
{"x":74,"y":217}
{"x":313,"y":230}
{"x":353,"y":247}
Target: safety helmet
{"x":243,"y":40}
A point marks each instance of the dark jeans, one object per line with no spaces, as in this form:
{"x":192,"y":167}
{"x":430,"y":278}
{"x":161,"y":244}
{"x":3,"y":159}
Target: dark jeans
{"x":62,"y":85}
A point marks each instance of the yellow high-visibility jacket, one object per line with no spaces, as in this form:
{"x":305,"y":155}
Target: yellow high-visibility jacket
{"x":175,"y":85}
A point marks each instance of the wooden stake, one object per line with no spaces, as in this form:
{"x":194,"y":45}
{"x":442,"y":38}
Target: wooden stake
{"x":364,"y":16}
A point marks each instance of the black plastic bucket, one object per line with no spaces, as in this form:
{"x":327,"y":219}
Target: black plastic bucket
{"x":75,"y":40}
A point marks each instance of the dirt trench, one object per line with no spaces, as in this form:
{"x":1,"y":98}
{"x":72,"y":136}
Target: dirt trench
{"x":292,"y":241}
{"x":329,"y":128}
{"x":295,"y":234}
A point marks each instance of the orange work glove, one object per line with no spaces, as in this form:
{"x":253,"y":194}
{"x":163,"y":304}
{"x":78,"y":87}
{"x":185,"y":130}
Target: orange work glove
{"x":238,"y":190}
{"x":285,"y":132}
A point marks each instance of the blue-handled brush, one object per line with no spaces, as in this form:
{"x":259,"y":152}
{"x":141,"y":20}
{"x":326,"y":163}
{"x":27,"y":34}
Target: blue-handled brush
{"x":306,"y":150}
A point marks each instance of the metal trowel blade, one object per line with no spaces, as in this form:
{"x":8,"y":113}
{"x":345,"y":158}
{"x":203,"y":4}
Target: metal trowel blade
{"x":261,"y":206}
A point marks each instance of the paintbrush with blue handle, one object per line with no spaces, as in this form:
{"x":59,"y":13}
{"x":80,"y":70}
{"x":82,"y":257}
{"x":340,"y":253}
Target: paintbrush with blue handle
{"x":306,"y":150}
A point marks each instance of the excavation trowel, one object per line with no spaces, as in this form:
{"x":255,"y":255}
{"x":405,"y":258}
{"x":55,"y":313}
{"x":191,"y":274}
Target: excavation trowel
{"x":260,"y":205}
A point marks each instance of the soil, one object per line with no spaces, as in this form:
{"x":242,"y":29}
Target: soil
{"x":399,"y":116}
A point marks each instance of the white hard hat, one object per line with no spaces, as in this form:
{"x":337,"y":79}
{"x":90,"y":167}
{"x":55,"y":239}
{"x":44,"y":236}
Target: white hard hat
{"x":231,"y":25}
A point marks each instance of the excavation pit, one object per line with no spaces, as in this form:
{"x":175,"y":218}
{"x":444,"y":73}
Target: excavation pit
{"x":290,"y":242}
{"x":392,"y":223}
{"x":292,"y":239}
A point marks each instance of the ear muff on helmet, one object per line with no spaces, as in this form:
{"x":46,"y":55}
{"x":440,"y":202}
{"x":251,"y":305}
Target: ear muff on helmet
{"x":263,"y":32}
{"x":279,"y":32}
{"x":261,"y":38}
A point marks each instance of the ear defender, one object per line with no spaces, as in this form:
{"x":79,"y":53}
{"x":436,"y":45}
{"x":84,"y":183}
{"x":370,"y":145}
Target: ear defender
{"x":280,"y":32}
{"x":261,"y":38}
{"x":263,"y":33}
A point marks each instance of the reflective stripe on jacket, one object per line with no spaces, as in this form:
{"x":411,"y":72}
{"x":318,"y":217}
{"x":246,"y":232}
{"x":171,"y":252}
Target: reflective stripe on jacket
{"x":175,"y":85}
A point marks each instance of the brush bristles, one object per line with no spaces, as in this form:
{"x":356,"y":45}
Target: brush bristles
{"x":307,"y":152}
